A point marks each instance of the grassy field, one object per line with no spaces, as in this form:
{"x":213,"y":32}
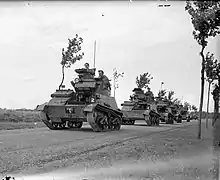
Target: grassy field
{"x":19,"y":119}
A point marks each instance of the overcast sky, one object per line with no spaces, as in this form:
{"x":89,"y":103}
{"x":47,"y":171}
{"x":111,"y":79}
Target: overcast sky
{"x":133,"y":37}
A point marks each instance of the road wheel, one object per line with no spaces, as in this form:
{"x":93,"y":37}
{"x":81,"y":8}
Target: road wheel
{"x":62,"y":125}
{"x":170,"y":120}
{"x":55,"y":125}
{"x":78,"y":124}
{"x":70,"y":124}
{"x":157,"y":121}
{"x":180,"y":120}
{"x":148,"y":121}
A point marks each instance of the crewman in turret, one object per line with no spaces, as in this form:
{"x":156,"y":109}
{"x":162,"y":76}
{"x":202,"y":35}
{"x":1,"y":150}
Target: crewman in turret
{"x":149,"y":94}
{"x":106,"y":84}
{"x":90,"y":72}
{"x":86,"y":65}
{"x":105,"y":79}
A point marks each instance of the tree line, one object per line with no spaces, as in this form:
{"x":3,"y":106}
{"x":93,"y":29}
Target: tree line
{"x":143,"y":82}
{"x":205,"y":18}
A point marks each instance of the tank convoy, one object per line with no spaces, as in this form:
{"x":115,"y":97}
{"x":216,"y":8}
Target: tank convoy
{"x":88,"y":101}
{"x":140,"y":107}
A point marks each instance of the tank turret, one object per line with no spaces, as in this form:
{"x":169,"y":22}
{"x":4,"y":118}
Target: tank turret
{"x":88,"y":102}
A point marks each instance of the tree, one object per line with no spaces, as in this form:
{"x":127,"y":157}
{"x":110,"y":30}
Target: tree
{"x":71,"y":55}
{"x":186,"y":105}
{"x":116,"y":75}
{"x":211,"y":66}
{"x":162,"y":94}
{"x":176,"y":101}
{"x":144,"y":80}
{"x":170,"y":97}
{"x":216,"y":92}
{"x":205,"y":20}
{"x":194,"y":108}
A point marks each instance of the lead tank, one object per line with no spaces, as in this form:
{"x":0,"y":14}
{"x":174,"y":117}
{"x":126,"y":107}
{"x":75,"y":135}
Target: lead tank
{"x":140,"y":107}
{"x":88,"y":101}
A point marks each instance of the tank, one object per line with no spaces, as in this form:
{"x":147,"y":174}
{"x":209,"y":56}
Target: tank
{"x":176,"y":112}
{"x":139,"y":108}
{"x":184,"y":113}
{"x":193,"y":116}
{"x":165,"y":111}
{"x":88,"y":101}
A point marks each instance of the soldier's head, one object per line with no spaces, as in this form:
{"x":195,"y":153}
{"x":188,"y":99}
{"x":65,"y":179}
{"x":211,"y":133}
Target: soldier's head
{"x":101,"y":73}
{"x":148,"y":88}
{"x":86,"y":65}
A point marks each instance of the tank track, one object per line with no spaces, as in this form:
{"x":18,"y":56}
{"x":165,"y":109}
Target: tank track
{"x":170,"y":119}
{"x":154,"y":120}
{"x":103,"y":119}
{"x":179,"y":119}
{"x":58,"y":126}
{"x":128,"y":122}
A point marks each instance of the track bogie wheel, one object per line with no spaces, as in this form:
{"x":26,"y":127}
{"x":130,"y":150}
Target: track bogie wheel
{"x":62,"y":125}
{"x":78,"y":124}
{"x":55,"y":125}
{"x":70,"y":124}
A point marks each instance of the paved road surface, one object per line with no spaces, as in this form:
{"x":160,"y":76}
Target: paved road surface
{"x":25,"y":149}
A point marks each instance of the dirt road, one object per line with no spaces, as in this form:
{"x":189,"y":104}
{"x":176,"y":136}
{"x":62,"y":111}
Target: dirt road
{"x":42,"y":150}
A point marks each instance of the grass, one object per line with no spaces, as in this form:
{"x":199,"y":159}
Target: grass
{"x":19,"y":119}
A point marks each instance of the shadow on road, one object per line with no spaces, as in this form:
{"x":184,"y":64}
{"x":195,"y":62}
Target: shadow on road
{"x":85,"y":129}
{"x":161,"y":125}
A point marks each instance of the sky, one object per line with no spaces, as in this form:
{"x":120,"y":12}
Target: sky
{"x":133,"y":37}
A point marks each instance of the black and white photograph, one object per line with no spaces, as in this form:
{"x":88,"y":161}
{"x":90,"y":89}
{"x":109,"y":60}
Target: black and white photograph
{"x":110,"y":90}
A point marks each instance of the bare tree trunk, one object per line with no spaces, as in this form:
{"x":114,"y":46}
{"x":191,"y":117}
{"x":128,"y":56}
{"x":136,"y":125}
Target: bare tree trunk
{"x":62,"y":78}
{"x":216,"y":137}
{"x":216,"y":105}
{"x":208,"y":105}
{"x":202,"y":92}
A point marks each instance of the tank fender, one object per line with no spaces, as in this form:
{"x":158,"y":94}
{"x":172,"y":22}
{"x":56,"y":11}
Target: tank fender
{"x":146,"y":113}
{"x":41,"y":107}
{"x":89,"y":108}
{"x":166,"y":116}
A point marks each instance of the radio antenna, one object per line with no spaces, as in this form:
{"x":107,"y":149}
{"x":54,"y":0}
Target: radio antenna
{"x":94,"y":52}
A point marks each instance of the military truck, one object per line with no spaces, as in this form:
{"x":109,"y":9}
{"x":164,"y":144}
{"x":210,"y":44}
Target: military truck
{"x":139,"y":108}
{"x":88,"y":101}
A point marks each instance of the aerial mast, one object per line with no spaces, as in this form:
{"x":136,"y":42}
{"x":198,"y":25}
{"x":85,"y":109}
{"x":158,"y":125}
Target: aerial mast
{"x":94,"y":51}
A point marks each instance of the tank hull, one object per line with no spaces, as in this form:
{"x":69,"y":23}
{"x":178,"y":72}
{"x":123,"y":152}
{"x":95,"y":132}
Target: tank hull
{"x":101,"y":115}
{"x":150,"y":116}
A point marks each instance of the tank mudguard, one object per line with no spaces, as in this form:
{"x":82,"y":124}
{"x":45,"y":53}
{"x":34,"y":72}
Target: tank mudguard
{"x":89,"y":108}
{"x":146,"y":117}
{"x":41,"y":107}
{"x":146,"y":113}
{"x":166,"y":116}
